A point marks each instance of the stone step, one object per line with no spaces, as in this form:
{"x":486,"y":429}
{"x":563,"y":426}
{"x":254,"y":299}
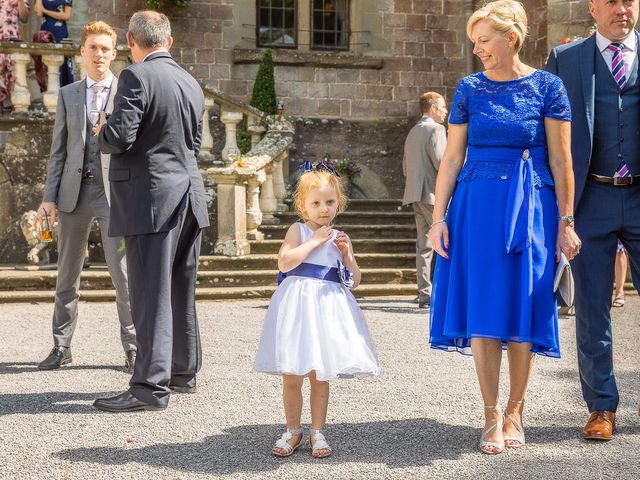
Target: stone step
{"x":358,"y":218}
{"x":203,"y":293}
{"x":270,"y":261}
{"x":354,"y":231}
{"x":47,"y":296}
{"x":373,"y":245}
{"x":99,"y":279}
{"x":377,"y":205}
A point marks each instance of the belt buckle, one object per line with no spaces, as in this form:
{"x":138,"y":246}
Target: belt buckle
{"x":616,"y":182}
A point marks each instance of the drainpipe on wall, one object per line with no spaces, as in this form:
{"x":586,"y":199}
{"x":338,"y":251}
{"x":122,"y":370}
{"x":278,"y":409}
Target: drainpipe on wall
{"x":469,"y":7}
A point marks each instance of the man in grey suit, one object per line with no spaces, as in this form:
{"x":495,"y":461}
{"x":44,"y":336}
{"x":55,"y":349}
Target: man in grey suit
{"x":423,"y":151}
{"x":76,"y":185}
{"x":603,"y":82}
{"x":158,"y":204}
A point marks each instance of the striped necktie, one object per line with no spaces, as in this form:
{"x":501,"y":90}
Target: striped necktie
{"x":620,"y":76}
{"x":617,"y":64}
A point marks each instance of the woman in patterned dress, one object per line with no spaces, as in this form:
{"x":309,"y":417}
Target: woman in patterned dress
{"x":11,"y":13}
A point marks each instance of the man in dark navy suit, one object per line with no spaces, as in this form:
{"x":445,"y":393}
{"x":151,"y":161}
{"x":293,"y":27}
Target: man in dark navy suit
{"x":158,"y":205}
{"x":601,"y":76}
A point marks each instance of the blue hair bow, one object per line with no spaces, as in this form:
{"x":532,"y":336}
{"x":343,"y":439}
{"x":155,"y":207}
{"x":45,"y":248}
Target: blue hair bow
{"x":307,"y":166}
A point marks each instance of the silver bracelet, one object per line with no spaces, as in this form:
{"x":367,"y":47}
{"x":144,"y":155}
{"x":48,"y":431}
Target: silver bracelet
{"x":436,"y":223}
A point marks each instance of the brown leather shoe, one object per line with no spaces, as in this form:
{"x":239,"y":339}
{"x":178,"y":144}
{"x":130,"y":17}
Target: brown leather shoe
{"x":601,"y":425}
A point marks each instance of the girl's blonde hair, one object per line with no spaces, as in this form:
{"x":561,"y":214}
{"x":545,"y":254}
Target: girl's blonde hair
{"x":507,"y":15}
{"x":317,"y":179}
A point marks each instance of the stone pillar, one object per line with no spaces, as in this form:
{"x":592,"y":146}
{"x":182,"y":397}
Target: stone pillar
{"x":268,"y":201}
{"x":256,"y":129}
{"x":232,"y":216}
{"x":78,"y":62}
{"x":231,"y":121}
{"x":20,"y":97}
{"x":206,"y":146}
{"x":50,"y":98}
{"x":254,"y":214}
{"x":279,"y":188}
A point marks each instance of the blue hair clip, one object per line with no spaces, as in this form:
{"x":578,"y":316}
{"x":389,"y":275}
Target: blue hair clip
{"x":307,"y":166}
{"x":328,"y":167}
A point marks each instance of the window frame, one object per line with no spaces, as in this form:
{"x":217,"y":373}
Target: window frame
{"x":294,"y":45}
{"x":347,"y":32}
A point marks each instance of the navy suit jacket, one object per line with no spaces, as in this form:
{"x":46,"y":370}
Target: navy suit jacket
{"x":154,"y":136}
{"x":574,"y":63}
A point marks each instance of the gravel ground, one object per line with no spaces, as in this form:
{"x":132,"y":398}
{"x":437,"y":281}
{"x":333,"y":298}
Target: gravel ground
{"x":421,"y":419}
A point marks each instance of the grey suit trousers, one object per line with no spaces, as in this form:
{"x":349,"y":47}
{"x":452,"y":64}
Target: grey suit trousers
{"x":163,"y":268}
{"x":425,"y":260}
{"x":73,"y":233}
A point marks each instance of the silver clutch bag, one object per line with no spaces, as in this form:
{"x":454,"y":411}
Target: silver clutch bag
{"x":563,"y":283}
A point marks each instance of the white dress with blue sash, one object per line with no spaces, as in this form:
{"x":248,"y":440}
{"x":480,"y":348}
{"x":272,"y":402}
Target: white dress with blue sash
{"x":315,"y":324}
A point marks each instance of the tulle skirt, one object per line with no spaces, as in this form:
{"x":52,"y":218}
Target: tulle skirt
{"x":316,"y":325}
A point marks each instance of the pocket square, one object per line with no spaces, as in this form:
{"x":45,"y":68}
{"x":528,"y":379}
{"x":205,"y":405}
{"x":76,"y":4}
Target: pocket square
{"x":563,"y":283}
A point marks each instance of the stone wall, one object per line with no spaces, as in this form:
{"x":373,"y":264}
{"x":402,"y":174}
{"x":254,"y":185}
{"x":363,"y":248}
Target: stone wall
{"x":24,"y":150}
{"x":567,"y":18}
{"x":419,"y":46}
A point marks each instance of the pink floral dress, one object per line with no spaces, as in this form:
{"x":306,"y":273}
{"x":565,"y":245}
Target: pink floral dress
{"x":8,"y":29}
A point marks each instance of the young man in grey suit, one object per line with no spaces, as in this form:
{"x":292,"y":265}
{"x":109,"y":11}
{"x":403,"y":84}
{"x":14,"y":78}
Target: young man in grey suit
{"x":423,"y":151}
{"x":158,"y":204}
{"x":602,"y":77}
{"x":77,"y":185}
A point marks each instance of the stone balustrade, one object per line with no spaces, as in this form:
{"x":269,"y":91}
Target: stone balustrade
{"x":52,"y":56}
{"x":251,"y":188}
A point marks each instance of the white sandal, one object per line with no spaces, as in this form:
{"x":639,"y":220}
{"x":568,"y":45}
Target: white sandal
{"x":319,"y":444}
{"x":492,"y":447}
{"x":283,"y":443}
{"x":514,"y":441}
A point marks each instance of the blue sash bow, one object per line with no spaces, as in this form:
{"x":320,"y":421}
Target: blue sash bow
{"x":520,"y":207}
{"x":339,"y":274}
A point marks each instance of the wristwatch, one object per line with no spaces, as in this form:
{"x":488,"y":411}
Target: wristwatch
{"x":566,"y":218}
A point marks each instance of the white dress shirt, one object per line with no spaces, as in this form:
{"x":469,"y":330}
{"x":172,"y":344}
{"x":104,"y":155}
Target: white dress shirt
{"x":101,"y":100}
{"x":629,"y":50}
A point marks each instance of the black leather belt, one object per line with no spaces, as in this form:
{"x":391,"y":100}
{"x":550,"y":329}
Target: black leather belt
{"x":617,"y":181}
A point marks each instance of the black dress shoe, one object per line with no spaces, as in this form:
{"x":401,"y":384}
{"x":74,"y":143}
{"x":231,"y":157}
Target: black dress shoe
{"x":59,"y":356}
{"x":130,"y":360}
{"x":424,"y":302}
{"x":125,"y":402}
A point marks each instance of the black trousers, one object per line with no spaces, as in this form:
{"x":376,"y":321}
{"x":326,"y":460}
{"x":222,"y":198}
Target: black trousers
{"x":163,"y":268}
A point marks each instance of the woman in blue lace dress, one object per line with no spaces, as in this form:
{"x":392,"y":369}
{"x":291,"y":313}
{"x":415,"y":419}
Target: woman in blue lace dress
{"x":55,"y":15}
{"x":509,"y":214}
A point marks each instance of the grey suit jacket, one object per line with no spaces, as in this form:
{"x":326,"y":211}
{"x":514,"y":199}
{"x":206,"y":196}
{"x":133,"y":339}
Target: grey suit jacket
{"x":154,"y":137}
{"x":64,"y":170}
{"x":423,"y":151}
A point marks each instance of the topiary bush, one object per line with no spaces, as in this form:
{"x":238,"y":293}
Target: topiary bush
{"x":263,"y":98}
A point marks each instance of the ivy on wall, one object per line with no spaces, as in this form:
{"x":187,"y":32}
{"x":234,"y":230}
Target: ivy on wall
{"x":157,"y":4}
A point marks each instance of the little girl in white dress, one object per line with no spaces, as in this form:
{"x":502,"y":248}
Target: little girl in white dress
{"x":313,"y":326}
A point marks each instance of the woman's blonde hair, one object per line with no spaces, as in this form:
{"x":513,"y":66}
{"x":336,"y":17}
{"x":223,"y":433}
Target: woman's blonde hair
{"x":507,"y":15}
{"x":317,"y":179}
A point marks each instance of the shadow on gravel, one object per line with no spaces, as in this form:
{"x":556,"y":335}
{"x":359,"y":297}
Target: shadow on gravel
{"x":49,"y":402}
{"x":395,"y":444}
{"x":29,"y":367}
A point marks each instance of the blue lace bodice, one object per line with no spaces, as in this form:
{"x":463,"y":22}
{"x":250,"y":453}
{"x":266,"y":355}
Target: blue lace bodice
{"x":508,"y":114}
